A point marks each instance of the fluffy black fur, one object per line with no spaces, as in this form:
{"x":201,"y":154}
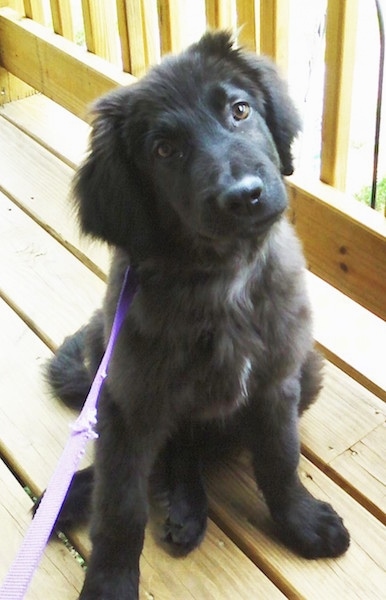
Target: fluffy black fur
{"x":184,"y":179}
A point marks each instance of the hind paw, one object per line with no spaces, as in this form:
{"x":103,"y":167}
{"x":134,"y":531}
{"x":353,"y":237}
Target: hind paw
{"x":185,"y":528}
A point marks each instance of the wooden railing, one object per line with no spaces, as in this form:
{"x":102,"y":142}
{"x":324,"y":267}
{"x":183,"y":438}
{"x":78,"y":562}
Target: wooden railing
{"x":344,"y":243}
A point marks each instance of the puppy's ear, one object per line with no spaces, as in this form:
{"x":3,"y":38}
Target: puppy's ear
{"x":111,"y":196}
{"x":277,"y":108}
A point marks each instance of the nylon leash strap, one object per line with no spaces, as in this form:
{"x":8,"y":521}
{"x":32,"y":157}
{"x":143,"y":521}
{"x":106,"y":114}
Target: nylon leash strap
{"x":22,"y":570}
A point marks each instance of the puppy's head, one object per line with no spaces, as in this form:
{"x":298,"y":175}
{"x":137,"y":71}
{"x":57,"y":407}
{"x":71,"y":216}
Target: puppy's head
{"x":195,"y":151}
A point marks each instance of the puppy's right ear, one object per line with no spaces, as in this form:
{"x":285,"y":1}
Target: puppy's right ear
{"x":111,"y":196}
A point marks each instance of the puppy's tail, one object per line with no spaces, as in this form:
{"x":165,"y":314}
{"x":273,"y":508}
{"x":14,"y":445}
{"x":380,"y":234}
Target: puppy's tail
{"x":67,"y":374}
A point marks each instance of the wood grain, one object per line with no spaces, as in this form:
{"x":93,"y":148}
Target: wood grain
{"x":58,"y":575}
{"x":339,"y":59}
{"x":100,"y":29}
{"x":30,"y":262}
{"x":344,"y":242}
{"x":62,"y":18}
{"x":360,"y":573}
{"x":274,"y":17}
{"x":44,"y":193}
{"x":70,"y":75}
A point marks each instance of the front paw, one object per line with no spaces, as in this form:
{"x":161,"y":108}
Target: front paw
{"x":313,"y":528}
{"x":110,"y":593}
{"x":113,"y":585}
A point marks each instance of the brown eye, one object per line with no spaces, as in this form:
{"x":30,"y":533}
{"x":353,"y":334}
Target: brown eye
{"x":241,"y":111}
{"x":164,"y":149}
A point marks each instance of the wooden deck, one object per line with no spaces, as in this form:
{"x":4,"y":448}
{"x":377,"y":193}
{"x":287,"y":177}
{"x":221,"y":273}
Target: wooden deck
{"x":50,"y":282}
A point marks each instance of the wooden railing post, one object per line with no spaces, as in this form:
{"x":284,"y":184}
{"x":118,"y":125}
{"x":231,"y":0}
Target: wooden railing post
{"x":11,"y":87}
{"x":62,"y":18}
{"x":339,"y":59}
{"x":139,"y":35}
{"x":17,"y":5}
{"x":248,"y":18}
{"x":220,"y":14}
{"x":33,"y":9}
{"x":169,"y":24}
{"x":100,"y":28}
{"x":274,"y":34}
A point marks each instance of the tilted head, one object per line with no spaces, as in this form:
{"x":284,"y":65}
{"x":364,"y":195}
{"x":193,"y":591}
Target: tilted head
{"x":193,"y":152}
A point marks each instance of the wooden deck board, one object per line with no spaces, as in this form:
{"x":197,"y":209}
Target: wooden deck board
{"x":361,"y":573}
{"x":359,"y":350}
{"x":30,"y":262}
{"x":344,"y":413}
{"x":42,"y":119}
{"x":217,"y":570}
{"x":364,"y":466}
{"x":44,"y":191}
{"x":59,"y":575}
{"x":33,"y":427}
{"x":50,"y":283}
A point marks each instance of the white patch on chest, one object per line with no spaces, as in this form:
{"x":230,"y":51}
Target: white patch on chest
{"x":244,"y":376}
{"x":238,"y":291}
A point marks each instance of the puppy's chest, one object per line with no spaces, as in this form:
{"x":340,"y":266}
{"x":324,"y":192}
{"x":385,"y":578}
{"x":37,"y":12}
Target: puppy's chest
{"x":212,"y":342}
{"x":222,"y":363}
{"x":227,"y":343}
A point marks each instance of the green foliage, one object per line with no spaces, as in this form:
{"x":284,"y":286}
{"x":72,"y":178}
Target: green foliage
{"x":80,"y":38}
{"x":30,"y":494}
{"x":365,"y":195}
{"x":61,"y":535}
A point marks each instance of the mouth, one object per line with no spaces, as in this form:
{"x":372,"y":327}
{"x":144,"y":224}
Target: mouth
{"x":261,"y":225}
{"x":241,"y":227}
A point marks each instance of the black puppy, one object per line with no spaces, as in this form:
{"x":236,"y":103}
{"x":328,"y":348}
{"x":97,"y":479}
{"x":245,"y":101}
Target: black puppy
{"x":184,"y":179}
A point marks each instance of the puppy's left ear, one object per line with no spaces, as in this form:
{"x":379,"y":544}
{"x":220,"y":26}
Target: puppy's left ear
{"x":111,"y":195}
{"x":277,"y":107}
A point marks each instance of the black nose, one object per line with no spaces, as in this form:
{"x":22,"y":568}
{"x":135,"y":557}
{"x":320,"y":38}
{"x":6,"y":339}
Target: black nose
{"x":242,"y":197}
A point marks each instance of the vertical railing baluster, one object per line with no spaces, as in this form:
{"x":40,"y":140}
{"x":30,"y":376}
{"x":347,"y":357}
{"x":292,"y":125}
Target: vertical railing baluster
{"x":274,"y":30}
{"x":138,"y":32}
{"x":169,"y":25}
{"x":248,"y":20}
{"x":221,"y":14}
{"x":33,"y":9}
{"x":62,"y":18}
{"x":339,"y":60}
{"x":382,"y":43}
{"x":99,"y":18}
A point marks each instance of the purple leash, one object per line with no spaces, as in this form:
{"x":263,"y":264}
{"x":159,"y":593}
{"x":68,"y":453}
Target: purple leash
{"x":21,"y":572}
